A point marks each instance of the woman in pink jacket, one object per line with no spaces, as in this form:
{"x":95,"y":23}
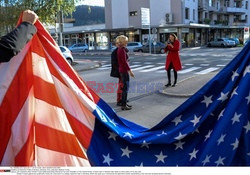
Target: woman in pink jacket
{"x":173,"y":58}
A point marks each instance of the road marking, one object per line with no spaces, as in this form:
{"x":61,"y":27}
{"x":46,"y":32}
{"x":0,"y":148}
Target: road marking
{"x":220,"y":65}
{"x":188,"y":70}
{"x":204,"y":64}
{"x":143,"y":67}
{"x":152,"y":69}
{"x":211,"y":69}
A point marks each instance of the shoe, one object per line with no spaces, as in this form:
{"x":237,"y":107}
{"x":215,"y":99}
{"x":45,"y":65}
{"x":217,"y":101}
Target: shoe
{"x":129,"y":105}
{"x":119,"y":104}
{"x":167,"y":85}
{"x":173,"y":85}
{"x":126,"y":107}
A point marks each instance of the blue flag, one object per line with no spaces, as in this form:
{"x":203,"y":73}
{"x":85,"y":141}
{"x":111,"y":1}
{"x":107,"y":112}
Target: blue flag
{"x":212,"y":128}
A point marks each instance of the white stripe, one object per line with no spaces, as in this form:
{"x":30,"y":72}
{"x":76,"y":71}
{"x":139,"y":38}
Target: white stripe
{"x":9,"y":69}
{"x":188,"y":70}
{"x":20,"y":131}
{"x":143,"y":67}
{"x":204,"y":64}
{"x":220,"y":65}
{"x":133,"y":66}
{"x":73,"y":106}
{"x":207,"y":70}
{"x":52,"y":116}
{"x":47,"y":157}
{"x":153,"y":69}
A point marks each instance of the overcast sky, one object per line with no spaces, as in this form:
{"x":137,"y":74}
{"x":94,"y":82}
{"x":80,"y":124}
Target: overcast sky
{"x":92,"y":2}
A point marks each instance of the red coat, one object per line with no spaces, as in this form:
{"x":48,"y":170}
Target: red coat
{"x":173,"y":56}
{"x":123,"y":60}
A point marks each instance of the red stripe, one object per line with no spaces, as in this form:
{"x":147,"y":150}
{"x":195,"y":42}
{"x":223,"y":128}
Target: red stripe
{"x":26,"y":155}
{"x":13,"y":101}
{"x":56,"y":140}
{"x":82,"y":132}
{"x":46,"y":91}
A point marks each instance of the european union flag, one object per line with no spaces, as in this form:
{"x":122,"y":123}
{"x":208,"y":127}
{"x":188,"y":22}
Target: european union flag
{"x":212,"y":128}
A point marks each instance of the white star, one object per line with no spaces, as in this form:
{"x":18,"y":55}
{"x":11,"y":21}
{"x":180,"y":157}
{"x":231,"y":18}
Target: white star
{"x":221,"y":114}
{"x":235,"y":74}
{"x":220,"y":161}
{"x":247,"y":127}
{"x":112,"y":135}
{"x":221,"y":139}
{"x":223,"y":96}
{"x":248,"y":154}
{"x":195,"y":120}
{"x":206,"y":160}
{"x":208,"y":135}
{"x":177,"y":120}
{"x":235,"y":144}
{"x":107,"y":159}
{"x":126,"y":152}
{"x":247,"y":70}
{"x":145,"y":144}
{"x":193,"y":154}
{"x":236,"y":118}
{"x":179,"y":145}
{"x":248,"y":98}
{"x":234,"y":92}
{"x":207,"y":100}
{"x":113,"y":122}
{"x":161,"y":157}
{"x":180,"y":136}
{"x":162,"y":133}
{"x":127,"y":134}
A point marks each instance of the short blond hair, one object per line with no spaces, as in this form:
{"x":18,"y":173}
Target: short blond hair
{"x":122,"y":40}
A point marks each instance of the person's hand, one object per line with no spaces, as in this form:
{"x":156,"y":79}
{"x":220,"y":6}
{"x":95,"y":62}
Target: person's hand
{"x":131,"y":74}
{"x":29,"y":16}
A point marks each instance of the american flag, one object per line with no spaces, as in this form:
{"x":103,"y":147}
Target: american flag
{"x":49,"y":117}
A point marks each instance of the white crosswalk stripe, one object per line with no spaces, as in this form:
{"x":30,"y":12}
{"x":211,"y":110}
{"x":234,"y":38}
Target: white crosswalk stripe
{"x":143,"y":67}
{"x":188,"y":70}
{"x":206,"y":71}
{"x":152,"y":69}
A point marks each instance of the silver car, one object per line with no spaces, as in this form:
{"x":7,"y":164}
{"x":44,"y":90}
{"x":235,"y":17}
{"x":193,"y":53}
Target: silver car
{"x":221,"y":42}
{"x":67,"y":54}
{"x":80,"y":47}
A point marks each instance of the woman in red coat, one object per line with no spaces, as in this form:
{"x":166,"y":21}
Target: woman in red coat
{"x":173,"y":59}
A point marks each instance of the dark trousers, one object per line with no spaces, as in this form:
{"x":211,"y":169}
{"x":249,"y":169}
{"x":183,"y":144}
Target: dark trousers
{"x":124,"y":87}
{"x":119,"y":91}
{"x":169,"y":74}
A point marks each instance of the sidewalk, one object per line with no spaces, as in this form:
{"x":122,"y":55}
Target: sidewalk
{"x":184,"y":88}
{"x":188,"y":86}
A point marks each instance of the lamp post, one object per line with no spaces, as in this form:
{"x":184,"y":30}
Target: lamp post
{"x":60,"y":13}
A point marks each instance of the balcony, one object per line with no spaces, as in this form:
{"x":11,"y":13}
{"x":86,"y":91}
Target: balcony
{"x":235,"y":10}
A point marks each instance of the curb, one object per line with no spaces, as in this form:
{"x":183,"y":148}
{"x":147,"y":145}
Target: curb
{"x":202,"y":80}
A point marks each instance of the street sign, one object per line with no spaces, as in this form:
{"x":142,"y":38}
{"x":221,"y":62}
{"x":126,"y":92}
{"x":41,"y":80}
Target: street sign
{"x":145,"y":18}
{"x":154,"y":30}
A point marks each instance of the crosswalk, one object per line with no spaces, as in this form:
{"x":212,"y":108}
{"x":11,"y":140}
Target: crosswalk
{"x":160,"y":68}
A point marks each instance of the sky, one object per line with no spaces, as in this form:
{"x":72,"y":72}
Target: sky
{"x":92,"y":2}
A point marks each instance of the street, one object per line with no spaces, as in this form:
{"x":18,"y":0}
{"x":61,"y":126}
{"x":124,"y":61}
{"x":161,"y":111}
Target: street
{"x":147,"y":93}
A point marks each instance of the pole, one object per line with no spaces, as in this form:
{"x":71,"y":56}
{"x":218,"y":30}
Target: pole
{"x":150,"y":42}
{"x":60,"y":26}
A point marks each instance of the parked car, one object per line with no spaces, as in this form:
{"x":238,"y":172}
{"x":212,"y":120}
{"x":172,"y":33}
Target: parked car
{"x":221,"y":42}
{"x":158,"y":47}
{"x":132,"y":45}
{"x":236,"y":40}
{"x":80,"y":47}
{"x":67,"y":54}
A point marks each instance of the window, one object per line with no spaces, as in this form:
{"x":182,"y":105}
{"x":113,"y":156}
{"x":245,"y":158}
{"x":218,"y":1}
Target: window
{"x":186,"y":13}
{"x":194,"y":14}
{"x":133,"y":13}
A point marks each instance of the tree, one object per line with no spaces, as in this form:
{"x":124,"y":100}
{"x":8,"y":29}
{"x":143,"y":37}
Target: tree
{"x":47,"y":11}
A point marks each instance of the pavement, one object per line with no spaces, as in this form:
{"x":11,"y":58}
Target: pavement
{"x":184,"y":88}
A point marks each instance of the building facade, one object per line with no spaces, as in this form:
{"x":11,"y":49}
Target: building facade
{"x":195,"y":22}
